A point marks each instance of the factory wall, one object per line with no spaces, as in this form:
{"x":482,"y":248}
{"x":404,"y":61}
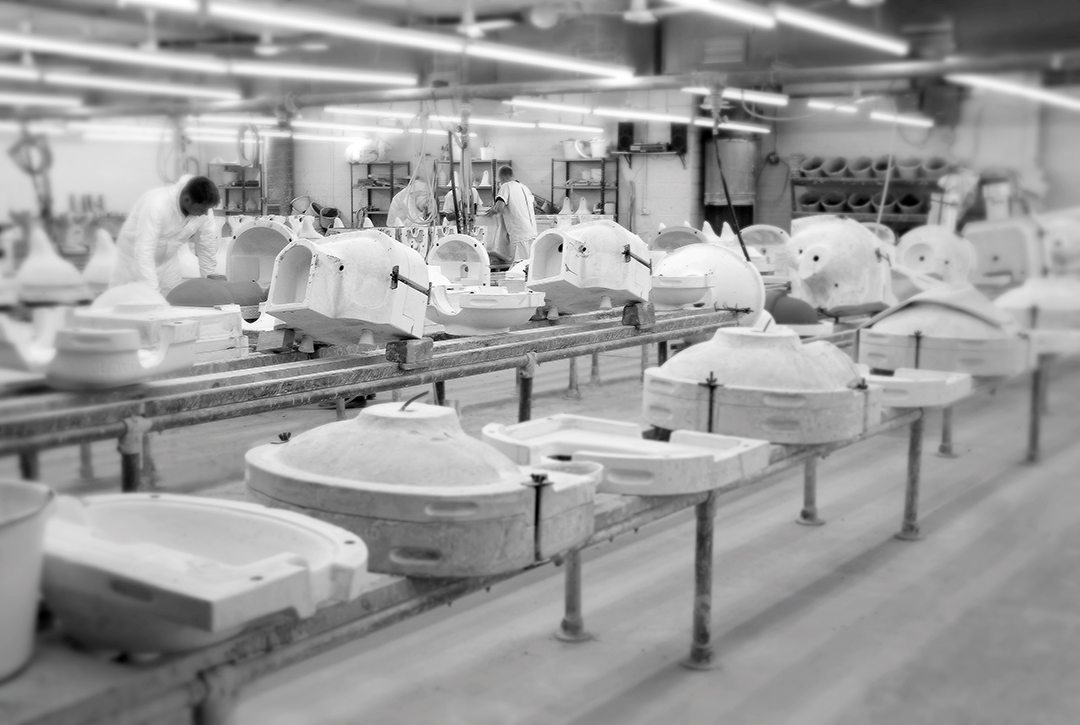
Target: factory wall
{"x":1060,"y":151}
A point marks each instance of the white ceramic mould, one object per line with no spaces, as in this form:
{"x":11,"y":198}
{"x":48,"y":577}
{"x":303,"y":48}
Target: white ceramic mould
{"x":158,"y":573}
{"x":481,"y":310}
{"x":1048,"y":310}
{"x":938,"y":252}
{"x":462,"y":259}
{"x":764,"y":385}
{"x":771,"y":242}
{"x":907,"y":388}
{"x":357,"y":287}
{"x":47,"y":278}
{"x":595,"y":265}
{"x":668,"y":239}
{"x":24,"y":508}
{"x":689,"y":463}
{"x":1061,"y":242}
{"x":839,"y":263}
{"x":1007,"y":251}
{"x":719,"y":276}
{"x":882,"y":232}
{"x":428,"y":500}
{"x":730,"y":239}
{"x":220,"y":330}
{"x":953,"y":328}
{"x":255,"y":245}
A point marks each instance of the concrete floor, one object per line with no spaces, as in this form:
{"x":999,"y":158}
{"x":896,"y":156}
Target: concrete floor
{"x":976,"y":623}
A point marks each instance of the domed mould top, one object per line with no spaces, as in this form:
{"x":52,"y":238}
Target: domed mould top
{"x":773,"y":360}
{"x":937,"y":251}
{"x":422,"y":445}
{"x":1044,"y":302}
{"x":952,"y":311}
{"x":734,"y":283}
{"x":462,"y":259}
{"x":255,"y":245}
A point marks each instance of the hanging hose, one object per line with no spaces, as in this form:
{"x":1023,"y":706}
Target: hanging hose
{"x":31,"y":153}
{"x":723,"y":182}
{"x":453,"y":184}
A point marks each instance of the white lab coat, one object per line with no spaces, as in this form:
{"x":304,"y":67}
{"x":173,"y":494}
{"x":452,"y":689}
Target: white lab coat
{"x":155,"y":229}
{"x":518,"y":219}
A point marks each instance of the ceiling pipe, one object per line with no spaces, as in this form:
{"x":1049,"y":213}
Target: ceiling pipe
{"x":496,"y":91}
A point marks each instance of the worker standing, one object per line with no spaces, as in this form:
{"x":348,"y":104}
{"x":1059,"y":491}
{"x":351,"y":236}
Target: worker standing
{"x":516,"y":215}
{"x":159,"y":223}
{"x":411,"y":206}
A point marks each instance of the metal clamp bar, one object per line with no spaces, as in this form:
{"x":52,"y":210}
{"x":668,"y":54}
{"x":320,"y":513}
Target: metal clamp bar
{"x":628,"y":255}
{"x":396,"y":276}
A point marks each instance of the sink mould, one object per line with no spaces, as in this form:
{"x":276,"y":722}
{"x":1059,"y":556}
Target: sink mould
{"x":462,"y":260}
{"x":670,"y":292}
{"x":1044,"y":303}
{"x":1061,"y":242}
{"x":689,"y":463}
{"x":669,"y":239}
{"x":733,"y":282}
{"x":1007,"y":252}
{"x":24,"y":508}
{"x":907,"y":388}
{"x":771,"y":242}
{"x":218,"y":328}
{"x":584,"y":268}
{"x":769,"y":387}
{"x":952,"y":328}
{"x":340,"y":291}
{"x":159,"y":573}
{"x":88,"y":359}
{"x":882,"y":232}
{"x":428,"y":500}
{"x":481,"y":310}
{"x":936,"y":251}
{"x":729,"y":239}
{"x":255,"y":245}
{"x":839,"y":263}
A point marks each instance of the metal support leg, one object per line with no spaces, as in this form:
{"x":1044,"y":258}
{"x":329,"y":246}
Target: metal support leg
{"x":644,"y":360}
{"x":339,"y":408}
{"x":86,"y":461}
{"x":29,"y":465}
{"x":594,"y":371}
{"x":701,"y":651}
{"x":909,"y":530}
{"x":440,"y":392}
{"x":946,"y":447}
{"x":131,"y":452}
{"x":661,"y":352}
{"x":1038,"y":383}
{"x":572,"y":628}
{"x":808,"y":516}
{"x":525,"y":387}
{"x":149,"y":469}
{"x":573,"y":392}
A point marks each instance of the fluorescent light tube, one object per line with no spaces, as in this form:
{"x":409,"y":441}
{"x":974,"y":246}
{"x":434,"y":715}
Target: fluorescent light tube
{"x":547,"y":106}
{"x":1013,"y":88}
{"x":842,"y":31}
{"x":902,"y":120}
{"x":436,"y":132}
{"x":46,"y":129}
{"x":316,"y":73}
{"x":345,"y":127}
{"x":524,"y":56}
{"x":732,"y":126}
{"x":10,"y":98}
{"x":19,"y":73}
{"x":741,"y":12}
{"x":371,"y":112}
{"x":474,"y":120}
{"x":98,"y":127}
{"x":121,"y":138}
{"x":111,"y":54}
{"x":762,"y":97}
{"x":325,"y":137}
{"x":158,"y":88}
{"x":235,"y":120}
{"x":569,"y":127}
{"x":634,"y":114}
{"x":829,"y":106}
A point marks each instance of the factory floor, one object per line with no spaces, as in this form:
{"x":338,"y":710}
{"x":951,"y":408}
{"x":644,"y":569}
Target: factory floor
{"x":976,"y":623}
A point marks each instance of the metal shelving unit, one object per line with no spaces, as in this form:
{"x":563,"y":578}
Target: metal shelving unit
{"x":848,"y":185}
{"x":235,"y":195}
{"x":608,"y":184}
{"x":487,"y":191}
{"x":376,"y":207}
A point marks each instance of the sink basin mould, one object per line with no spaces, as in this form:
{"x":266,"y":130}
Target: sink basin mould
{"x":159,"y":573}
{"x":462,"y":260}
{"x":952,"y":328}
{"x":255,"y":245}
{"x":907,"y":388}
{"x":340,"y":290}
{"x":673,"y":292}
{"x":769,"y":386}
{"x":671,"y":238}
{"x":1061,"y":242}
{"x":733,"y":282}
{"x":428,"y":500}
{"x":1051,"y":303}
{"x":481,"y":310}
{"x":24,"y":508}
{"x":938,"y":252}
{"x":583,"y":268}
{"x":771,"y":242}
{"x":839,"y":263}
{"x":690,"y":462}
{"x":87,"y":359}
{"x":729,"y":239}
{"x":1007,"y":251}
{"x":219,"y":329}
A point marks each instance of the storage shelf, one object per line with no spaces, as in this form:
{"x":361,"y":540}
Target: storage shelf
{"x":901,"y":218}
{"x":583,"y":187}
{"x":361,"y":181}
{"x":234,"y":187}
{"x":852,"y":181}
{"x":585,"y":161}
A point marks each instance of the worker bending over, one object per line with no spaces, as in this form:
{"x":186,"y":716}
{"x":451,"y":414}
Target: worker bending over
{"x":516,"y":216}
{"x":159,"y":223}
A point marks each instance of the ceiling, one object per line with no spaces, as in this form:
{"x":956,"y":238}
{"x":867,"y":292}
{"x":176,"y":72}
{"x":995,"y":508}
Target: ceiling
{"x":681,"y":42}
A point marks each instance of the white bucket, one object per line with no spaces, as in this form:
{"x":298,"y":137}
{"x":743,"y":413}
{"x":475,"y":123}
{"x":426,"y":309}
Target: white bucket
{"x":487,"y":153}
{"x":23,"y":508}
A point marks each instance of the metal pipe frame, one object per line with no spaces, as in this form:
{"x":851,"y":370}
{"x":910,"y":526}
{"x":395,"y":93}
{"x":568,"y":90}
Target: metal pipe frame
{"x":808,"y":516}
{"x":909,"y":528}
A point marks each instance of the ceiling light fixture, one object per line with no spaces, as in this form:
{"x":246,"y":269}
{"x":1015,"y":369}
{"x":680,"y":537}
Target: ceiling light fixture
{"x":370,"y":112}
{"x":739,"y":94}
{"x":345,"y":127}
{"x":129,"y":85}
{"x":10,"y":98}
{"x":436,"y":132}
{"x":741,"y":12}
{"x":298,"y":71}
{"x":523,"y":56}
{"x":842,"y":31}
{"x":1013,"y":88}
{"x":569,"y":127}
{"x":236,"y":120}
{"x":19,"y":73}
{"x":732,"y":126}
{"x":547,"y":106}
{"x":636,"y":115}
{"x":917,"y":121}
{"x":829,"y":106}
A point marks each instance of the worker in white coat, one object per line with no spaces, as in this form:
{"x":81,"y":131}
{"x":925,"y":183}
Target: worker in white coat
{"x":516,"y":216}
{"x":160,"y":222}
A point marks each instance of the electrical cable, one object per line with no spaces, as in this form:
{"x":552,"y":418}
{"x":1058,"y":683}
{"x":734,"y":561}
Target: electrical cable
{"x":723,"y":182}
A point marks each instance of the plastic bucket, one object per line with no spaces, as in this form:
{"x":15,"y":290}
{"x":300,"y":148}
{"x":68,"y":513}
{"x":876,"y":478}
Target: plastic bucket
{"x":935,"y":167}
{"x":834,"y":202}
{"x":910,"y":204}
{"x":809,"y":201}
{"x":881,"y":166}
{"x":909,"y":168}
{"x":859,"y":202}
{"x":889,"y":203}
{"x":23,"y":511}
{"x":861,"y":167}
{"x":835,"y":167}
{"x":812,"y":167}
